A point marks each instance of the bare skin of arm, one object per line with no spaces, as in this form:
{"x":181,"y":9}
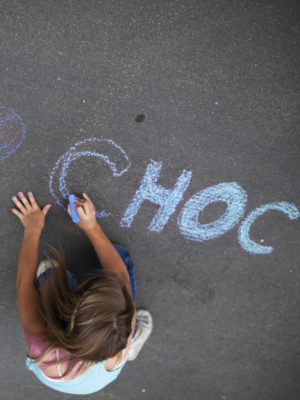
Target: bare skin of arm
{"x":33,"y":219}
{"x":28,"y":300}
{"x":106,"y":252}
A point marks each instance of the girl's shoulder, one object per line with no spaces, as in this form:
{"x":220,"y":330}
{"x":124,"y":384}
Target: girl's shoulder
{"x":59,"y":355}
{"x":116,"y":362}
{"x":56,"y":370}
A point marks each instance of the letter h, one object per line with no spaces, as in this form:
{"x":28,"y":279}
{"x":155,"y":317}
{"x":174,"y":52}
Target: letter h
{"x":167,"y":199}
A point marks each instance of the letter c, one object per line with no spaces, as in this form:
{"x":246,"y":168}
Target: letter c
{"x":93,"y":147}
{"x":243,"y":235}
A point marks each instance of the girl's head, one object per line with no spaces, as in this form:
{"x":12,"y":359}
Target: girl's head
{"x":94,"y":322}
{"x":100,"y":323}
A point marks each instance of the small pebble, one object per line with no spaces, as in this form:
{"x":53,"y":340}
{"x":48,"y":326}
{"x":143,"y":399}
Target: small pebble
{"x":140,"y":118}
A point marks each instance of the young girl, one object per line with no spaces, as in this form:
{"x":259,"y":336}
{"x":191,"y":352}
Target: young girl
{"x":78,"y":338}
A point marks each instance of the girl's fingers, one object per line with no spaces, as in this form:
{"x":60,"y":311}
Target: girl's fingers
{"x":80,"y":212}
{"x":24,"y":201}
{"x":80,"y":201}
{"x":89,"y":200}
{"x":18,"y":204}
{"x":85,"y":204}
{"x":86,"y":207}
{"x":17,"y":213}
{"x":33,"y":201}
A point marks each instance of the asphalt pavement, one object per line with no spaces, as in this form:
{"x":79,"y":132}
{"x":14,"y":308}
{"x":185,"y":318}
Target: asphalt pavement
{"x":180,"y":119}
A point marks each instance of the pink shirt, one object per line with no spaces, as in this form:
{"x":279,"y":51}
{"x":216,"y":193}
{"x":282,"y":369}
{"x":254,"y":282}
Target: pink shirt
{"x":34,"y":348}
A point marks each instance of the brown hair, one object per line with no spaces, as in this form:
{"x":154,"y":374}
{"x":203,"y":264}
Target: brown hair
{"x":92,"y":323}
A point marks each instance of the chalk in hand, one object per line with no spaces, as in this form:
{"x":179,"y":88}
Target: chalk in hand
{"x":74,"y":214}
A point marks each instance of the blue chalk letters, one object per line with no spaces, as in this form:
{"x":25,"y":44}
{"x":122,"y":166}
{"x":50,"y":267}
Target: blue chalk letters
{"x":167,"y":199}
{"x":87,"y":148}
{"x":230,"y":193}
{"x":243,"y":235}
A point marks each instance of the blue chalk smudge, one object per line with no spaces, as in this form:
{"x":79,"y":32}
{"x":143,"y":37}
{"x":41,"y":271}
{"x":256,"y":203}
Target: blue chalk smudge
{"x":231,"y":193}
{"x":243,"y":234}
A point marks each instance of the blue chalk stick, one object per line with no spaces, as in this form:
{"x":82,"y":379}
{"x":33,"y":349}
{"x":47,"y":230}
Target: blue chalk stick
{"x":74,"y":214}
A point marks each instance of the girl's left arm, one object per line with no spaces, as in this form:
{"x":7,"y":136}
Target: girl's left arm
{"x":28,"y":299}
{"x":28,"y":259}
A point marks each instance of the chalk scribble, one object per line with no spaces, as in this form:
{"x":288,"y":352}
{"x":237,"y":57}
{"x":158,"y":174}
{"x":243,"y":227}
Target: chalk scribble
{"x":12,"y":132}
{"x":93,"y":147}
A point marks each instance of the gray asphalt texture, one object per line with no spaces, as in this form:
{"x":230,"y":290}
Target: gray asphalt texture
{"x":207,"y":86}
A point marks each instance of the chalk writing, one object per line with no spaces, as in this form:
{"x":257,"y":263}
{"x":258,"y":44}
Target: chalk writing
{"x":167,"y":199}
{"x":12,"y":131}
{"x":231,"y":193}
{"x":81,"y":149}
{"x":243,"y":235}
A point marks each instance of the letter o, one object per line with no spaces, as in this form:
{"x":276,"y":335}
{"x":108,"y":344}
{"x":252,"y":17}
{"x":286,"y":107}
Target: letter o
{"x":230,"y":193}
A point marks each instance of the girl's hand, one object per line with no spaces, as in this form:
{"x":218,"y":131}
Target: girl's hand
{"x":29,"y":212}
{"x":86,"y":212}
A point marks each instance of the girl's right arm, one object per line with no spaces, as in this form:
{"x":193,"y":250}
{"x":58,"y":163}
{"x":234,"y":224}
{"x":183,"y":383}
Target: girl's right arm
{"x":106,"y":252}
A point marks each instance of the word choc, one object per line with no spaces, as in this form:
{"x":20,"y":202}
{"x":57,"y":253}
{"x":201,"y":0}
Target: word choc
{"x":231,"y":193}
